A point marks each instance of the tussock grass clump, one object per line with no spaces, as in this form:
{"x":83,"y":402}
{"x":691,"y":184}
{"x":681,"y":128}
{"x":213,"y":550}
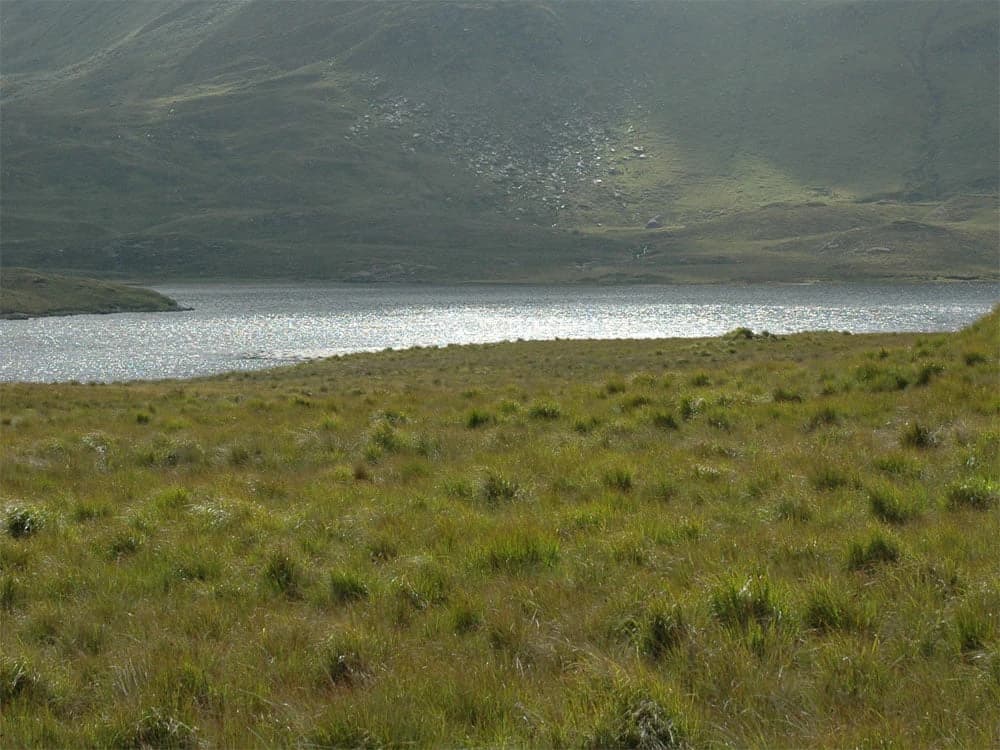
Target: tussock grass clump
{"x":973,"y":629}
{"x":18,"y":681}
{"x":785,"y":396}
{"x":665,"y":421}
{"x":619,"y":478}
{"x":477,"y":418}
{"x":21,"y":521}
{"x":635,"y":718}
{"x":879,"y":379}
{"x":586,"y":425}
{"x":9,"y":589}
{"x":739,"y":603}
{"x":168,"y":452}
{"x":382,"y":548}
{"x":977,"y":493}
{"x":691,"y":407}
{"x":637,"y":401}
{"x":346,"y":587}
{"x":823,"y":417}
{"x":384,"y":438}
{"x":465,"y":618}
{"x":927,"y":372}
{"x":613,"y":386}
{"x":977,"y":620}
{"x":794,"y":509}
{"x":521,"y":552}
{"x":896,"y":464}
{"x":495,"y":488}
{"x":284,"y":575}
{"x":123,"y":544}
{"x":973,"y":358}
{"x":547,"y":410}
{"x":888,"y":504}
{"x":828,"y":477}
{"x":158,"y":728}
{"x":342,"y":661}
{"x":917,"y":435}
{"x":879,"y":550}
{"x":660,"y":631}
{"x":426,"y":586}
{"x":827,"y":609}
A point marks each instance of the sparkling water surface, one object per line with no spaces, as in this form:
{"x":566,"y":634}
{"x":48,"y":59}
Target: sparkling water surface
{"x":240,"y":327}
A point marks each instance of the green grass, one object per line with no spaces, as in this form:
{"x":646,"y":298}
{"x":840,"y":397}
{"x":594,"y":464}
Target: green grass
{"x":27,"y":293}
{"x":337,"y":554}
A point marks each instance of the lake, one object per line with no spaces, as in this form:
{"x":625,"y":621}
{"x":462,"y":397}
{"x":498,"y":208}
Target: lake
{"x":241,"y":327}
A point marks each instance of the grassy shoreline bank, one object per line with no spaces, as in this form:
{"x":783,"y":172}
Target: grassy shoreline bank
{"x":750,"y":539}
{"x":26,"y":293}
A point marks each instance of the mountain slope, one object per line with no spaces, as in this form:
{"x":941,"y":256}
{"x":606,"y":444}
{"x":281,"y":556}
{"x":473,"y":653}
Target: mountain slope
{"x":463,"y":140}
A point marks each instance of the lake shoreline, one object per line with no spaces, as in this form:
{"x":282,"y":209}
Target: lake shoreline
{"x":248,"y":327}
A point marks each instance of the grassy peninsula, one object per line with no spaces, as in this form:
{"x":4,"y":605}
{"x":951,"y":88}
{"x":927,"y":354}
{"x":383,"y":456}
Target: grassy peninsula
{"x":752,"y":540}
{"x":25,"y":293}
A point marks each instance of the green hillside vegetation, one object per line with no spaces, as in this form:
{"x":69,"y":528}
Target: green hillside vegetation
{"x":502,"y":140}
{"x":27,"y":293}
{"x":752,"y":540}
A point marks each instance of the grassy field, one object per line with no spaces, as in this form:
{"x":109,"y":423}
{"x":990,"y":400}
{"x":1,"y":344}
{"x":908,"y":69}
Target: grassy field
{"x":752,"y":540}
{"x":28,"y":293}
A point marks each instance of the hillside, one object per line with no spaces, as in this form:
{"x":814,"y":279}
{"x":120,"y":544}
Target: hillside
{"x":27,"y":293}
{"x":501,"y":140}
